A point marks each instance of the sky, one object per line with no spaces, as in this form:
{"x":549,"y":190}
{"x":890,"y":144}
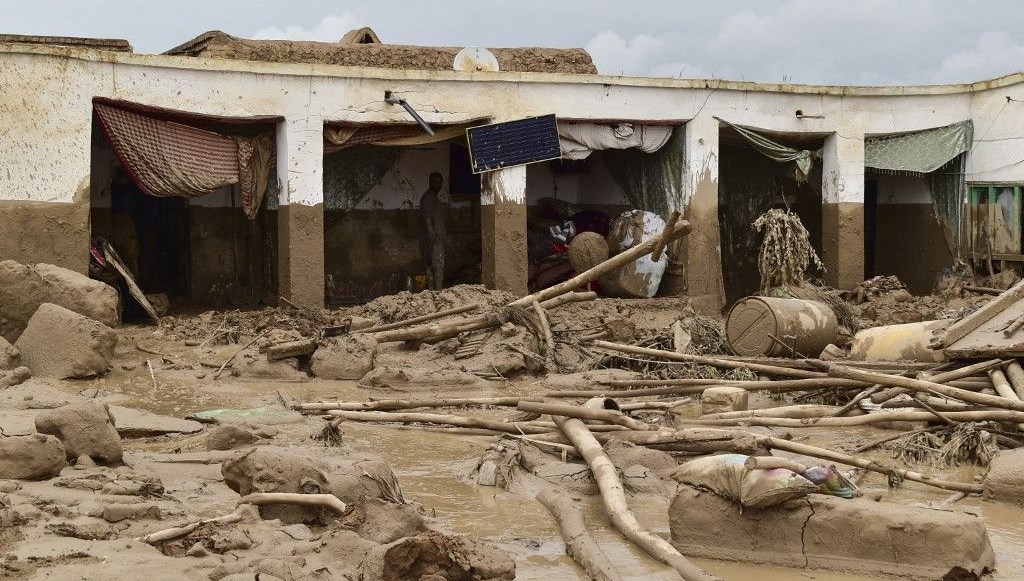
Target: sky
{"x":855,"y":42}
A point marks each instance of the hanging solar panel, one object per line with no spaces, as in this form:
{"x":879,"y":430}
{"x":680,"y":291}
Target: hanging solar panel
{"x":513,"y":143}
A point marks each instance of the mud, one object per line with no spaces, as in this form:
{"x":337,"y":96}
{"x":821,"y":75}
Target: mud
{"x":412,"y":492}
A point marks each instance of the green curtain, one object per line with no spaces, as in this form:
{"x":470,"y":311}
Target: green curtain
{"x":651,"y":181}
{"x":773,"y":150}
{"x":948,"y":189}
{"x":350,"y":173}
{"x":921,"y":151}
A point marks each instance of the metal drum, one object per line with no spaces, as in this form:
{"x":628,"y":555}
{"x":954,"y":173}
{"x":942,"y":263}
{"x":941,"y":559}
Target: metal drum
{"x":774,"y":327}
{"x":907,"y":342}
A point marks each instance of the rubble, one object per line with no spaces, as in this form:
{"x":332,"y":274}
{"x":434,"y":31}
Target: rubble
{"x":349,"y":357}
{"x":33,"y":457}
{"x":82,"y":348}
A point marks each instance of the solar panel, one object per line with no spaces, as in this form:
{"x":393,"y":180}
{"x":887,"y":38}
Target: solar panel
{"x":513,"y":143}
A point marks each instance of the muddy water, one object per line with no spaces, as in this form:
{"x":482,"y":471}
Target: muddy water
{"x":433,"y":470}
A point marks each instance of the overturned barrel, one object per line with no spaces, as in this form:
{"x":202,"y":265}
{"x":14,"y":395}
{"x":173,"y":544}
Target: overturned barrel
{"x":906,"y":342}
{"x":776,"y":327}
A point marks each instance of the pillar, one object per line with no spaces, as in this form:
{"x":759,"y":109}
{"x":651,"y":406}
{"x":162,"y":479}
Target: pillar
{"x":503,"y":230}
{"x":842,"y":209}
{"x":703,"y":246}
{"x":300,"y":215}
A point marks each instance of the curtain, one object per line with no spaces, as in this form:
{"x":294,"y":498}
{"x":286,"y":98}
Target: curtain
{"x":338,"y":137}
{"x":921,"y":151}
{"x":579,"y":140}
{"x":350,"y":173}
{"x":168,"y":159}
{"x":804,"y":158}
{"x":651,"y":181}
{"x":948,"y":195}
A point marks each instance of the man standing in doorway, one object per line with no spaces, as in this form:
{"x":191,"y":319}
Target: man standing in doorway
{"x":433,"y":229}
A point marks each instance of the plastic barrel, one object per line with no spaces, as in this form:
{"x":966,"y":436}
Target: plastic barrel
{"x":775,"y":327}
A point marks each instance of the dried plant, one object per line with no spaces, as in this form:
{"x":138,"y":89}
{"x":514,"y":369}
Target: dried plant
{"x":786,"y":251}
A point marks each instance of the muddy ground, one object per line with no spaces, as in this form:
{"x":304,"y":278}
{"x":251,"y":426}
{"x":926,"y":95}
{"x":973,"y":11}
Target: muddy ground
{"x":58,"y":535}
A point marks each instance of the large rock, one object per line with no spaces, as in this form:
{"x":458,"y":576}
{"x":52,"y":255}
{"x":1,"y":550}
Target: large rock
{"x":276,"y":469}
{"x":32,"y":457}
{"x":23,"y":288}
{"x":346,"y":357}
{"x":63,"y":344}
{"x":434,"y":555}
{"x":10,"y":357}
{"x":825,"y":532}
{"x":84,"y":428}
{"x":1005,"y":478}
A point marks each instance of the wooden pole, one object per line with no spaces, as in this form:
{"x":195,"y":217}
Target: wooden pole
{"x":927,"y":386}
{"x":824,"y":454}
{"x":695,"y":386}
{"x":422,"y":319}
{"x":868,"y":419}
{"x":614,"y":497}
{"x":291,"y":349}
{"x":383,"y":405}
{"x":440,"y":419}
{"x":1015,"y":374}
{"x":313,"y":500}
{"x":579,"y":543}
{"x":572,"y":411}
{"x":712,"y":361}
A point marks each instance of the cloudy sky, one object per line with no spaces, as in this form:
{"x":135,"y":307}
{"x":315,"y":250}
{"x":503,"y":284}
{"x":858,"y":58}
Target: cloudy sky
{"x":865,"y":42}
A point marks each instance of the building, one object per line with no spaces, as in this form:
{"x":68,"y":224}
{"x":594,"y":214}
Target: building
{"x":333,"y":171}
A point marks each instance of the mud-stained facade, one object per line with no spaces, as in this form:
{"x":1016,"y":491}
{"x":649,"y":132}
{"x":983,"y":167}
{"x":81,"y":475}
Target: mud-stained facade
{"x":45,"y":185}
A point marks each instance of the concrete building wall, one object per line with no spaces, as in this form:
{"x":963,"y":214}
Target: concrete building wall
{"x":45,"y":185}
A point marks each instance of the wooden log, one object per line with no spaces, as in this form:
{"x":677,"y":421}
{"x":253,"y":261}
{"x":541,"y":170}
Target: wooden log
{"x":696,"y":386}
{"x":1015,"y":375}
{"x":569,"y":297}
{"x":982,"y":290}
{"x":682,"y":228}
{"x":165,"y":535}
{"x":217,"y":373}
{"x":312,"y":500}
{"x":409,"y":404}
{"x":966,"y":325}
{"x":865,"y":420}
{"x":962,"y":372}
{"x":712,"y":361}
{"x":572,"y":411}
{"x":422,"y":318}
{"x":1002,"y":384}
{"x":690,"y":440}
{"x":790,"y":411}
{"x":614,"y":498}
{"x":927,"y":386}
{"x":664,"y":239}
{"x":549,"y":339}
{"x":773,"y":462}
{"x":838,"y":457}
{"x":654,"y":405}
{"x":291,"y":349}
{"x":1013,"y":327}
{"x":440,"y":419}
{"x":579,"y":543}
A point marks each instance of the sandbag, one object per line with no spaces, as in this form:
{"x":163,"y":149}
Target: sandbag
{"x":640,"y":278}
{"x":727,"y":476}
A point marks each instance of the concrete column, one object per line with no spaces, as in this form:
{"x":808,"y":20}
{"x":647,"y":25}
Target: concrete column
{"x":704,"y":283}
{"x":503,"y":230}
{"x":300,"y":215}
{"x":842,"y":209}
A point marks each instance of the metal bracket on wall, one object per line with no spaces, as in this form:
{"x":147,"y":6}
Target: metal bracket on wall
{"x":390,"y":99}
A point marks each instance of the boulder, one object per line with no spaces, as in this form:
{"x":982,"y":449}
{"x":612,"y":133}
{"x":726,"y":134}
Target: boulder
{"x":410,"y":378}
{"x":1005,"y":478}
{"x":354,"y":478}
{"x":14,"y":377}
{"x":723,"y":398}
{"x":84,"y":428}
{"x":383,"y":522}
{"x":135,"y":423}
{"x":826,"y":532}
{"x":277,"y":469}
{"x":10,"y":357}
{"x":24,"y":288}
{"x":433,"y":555}
{"x":83,"y":347}
{"x":32,"y":457}
{"x":345,"y":357}
{"x":229,"y":437}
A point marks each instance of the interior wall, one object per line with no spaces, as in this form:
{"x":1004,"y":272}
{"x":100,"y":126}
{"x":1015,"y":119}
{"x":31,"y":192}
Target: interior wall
{"x":909,"y":241}
{"x":749,"y":185}
{"x":372,"y":246}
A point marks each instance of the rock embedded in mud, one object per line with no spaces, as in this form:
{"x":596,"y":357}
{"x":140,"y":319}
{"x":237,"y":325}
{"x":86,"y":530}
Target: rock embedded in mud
{"x":14,"y":377}
{"x":10,"y":357}
{"x":277,"y":469}
{"x":418,"y":379}
{"x":83,"y":428}
{"x":723,"y":398}
{"x":24,"y":288}
{"x":383,"y":522}
{"x":826,"y":532}
{"x":62,"y":344}
{"x":436,"y":555}
{"x":345,"y":357}
{"x":32,"y":457}
{"x":229,"y":437}
{"x":1005,"y":478}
